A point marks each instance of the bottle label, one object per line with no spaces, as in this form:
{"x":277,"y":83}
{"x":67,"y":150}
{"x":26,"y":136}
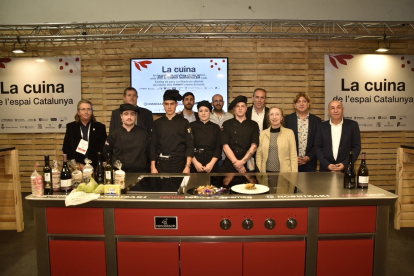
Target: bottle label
{"x":47,"y":177}
{"x":363,"y":179}
{"x":108,"y":175}
{"x":56,"y":180}
{"x":66,"y":183}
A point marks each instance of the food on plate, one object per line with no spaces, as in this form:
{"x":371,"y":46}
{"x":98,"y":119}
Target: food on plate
{"x":250,"y":186}
{"x":209,"y":190}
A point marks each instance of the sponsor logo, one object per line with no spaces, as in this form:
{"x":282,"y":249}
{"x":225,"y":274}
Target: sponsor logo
{"x":39,"y":126}
{"x":382,"y":117}
{"x":350,"y":118}
{"x":20,"y":120}
{"x":7,"y":120}
{"x":43,"y":119}
{"x":358,"y":118}
{"x":53,"y":119}
{"x":378,"y":124}
{"x":371,"y":118}
{"x":393,"y":117}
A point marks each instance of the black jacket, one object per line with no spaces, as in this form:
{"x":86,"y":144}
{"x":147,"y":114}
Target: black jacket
{"x":350,"y":141}
{"x":266,"y":116}
{"x":291,"y":122}
{"x":97,"y":138}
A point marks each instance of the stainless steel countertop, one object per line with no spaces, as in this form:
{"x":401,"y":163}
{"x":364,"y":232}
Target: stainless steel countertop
{"x":318,"y":189}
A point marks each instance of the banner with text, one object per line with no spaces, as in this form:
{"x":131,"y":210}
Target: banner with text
{"x":38,"y":96}
{"x":377,"y":91}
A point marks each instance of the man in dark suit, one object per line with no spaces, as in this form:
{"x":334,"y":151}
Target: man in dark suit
{"x":188,"y":103}
{"x":304,"y":125}
{"x":144,"y":120}
{"x":335,"y":139}
{"x":258,"y":112}
{"x":84,"y":137}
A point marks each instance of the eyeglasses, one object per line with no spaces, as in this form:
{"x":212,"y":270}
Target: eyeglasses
{"x":218,"y":101}
{"x":85,"y":109}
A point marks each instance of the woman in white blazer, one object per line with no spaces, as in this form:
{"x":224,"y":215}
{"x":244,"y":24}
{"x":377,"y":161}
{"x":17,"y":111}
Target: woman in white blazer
{"x":277,"y":146}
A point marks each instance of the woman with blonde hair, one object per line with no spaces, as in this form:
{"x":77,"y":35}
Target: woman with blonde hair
{"x":277,"y":146}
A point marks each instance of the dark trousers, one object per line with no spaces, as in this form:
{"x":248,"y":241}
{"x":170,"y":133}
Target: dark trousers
{"x":171,"y":165}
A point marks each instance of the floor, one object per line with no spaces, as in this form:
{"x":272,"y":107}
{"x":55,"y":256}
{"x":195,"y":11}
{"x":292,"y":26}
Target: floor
{"x":18,"y":252}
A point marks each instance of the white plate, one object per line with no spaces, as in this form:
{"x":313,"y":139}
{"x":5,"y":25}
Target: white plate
{"x":260,"y":189}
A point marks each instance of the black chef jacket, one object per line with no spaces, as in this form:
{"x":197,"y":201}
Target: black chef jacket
{"x":172,"y":138}
{"x":207,"y":142}
{"x":131,"y":148}
{"x":239,"y":137}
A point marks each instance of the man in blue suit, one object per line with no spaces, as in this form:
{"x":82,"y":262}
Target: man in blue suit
{"x":335,"y":139}
{"x":304,"y":125}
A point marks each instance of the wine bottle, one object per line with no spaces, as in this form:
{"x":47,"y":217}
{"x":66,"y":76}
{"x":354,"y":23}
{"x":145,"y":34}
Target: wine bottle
{"x":65,"y":176}
{"x":99,"y":170}
{"x":363,"y":174}
{"x":109,"y":170}
{"x":47,"y":177}
{"x":350,"y":175}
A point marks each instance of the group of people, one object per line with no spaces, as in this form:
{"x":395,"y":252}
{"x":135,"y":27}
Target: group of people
{"x":255,"y":138}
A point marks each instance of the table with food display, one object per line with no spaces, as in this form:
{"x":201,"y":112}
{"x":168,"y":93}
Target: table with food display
{"x":217,"y":224}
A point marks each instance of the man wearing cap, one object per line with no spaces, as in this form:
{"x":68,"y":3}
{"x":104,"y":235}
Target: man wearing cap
{"x":172,"y":145}
{"x":188,"y":103}
{"x":129,"y":143}
{"x":258,"y":112}
{"x":239,"y":137}
{"x":144,"y":119}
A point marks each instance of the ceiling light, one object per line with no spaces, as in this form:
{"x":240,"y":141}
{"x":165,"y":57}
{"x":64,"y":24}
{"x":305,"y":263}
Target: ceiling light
{"x":383,"y":46}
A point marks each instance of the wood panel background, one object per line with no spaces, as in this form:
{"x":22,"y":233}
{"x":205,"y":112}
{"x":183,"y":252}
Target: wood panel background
{"x":283,"y":67}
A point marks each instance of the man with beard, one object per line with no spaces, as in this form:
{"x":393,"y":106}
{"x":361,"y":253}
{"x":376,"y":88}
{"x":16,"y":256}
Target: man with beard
{"x":172,"y":147}
{"x":144,"y":119}
{"x":240,"y":138}
{"x":129,"y":143}
{"x":219,"y":116}
{"x":188,"y":103}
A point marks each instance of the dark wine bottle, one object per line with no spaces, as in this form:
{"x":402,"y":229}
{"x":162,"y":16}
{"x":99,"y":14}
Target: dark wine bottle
{"x":363,"y":174}
{"x":65,"y":176}
{"x":99,"y":170}
{"x":47,"y":177}
{"x":109,"y":170}
{"x":350,"y":175}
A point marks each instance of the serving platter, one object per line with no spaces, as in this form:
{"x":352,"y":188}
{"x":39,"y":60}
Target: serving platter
{"x":241,"y":189}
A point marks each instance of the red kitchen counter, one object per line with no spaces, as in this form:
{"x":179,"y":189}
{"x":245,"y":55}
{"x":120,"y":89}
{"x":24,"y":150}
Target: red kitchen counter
{"x":311,"y":226}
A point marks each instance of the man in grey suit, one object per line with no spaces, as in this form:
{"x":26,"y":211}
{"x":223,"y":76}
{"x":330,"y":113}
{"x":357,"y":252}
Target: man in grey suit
{"x":304,"y":125}
{"x":335,"y":138}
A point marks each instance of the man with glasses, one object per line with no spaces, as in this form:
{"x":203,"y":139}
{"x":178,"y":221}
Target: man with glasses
{"x":219,"y":116}
{"x":84,"y":137}
{"x":304,"y":125}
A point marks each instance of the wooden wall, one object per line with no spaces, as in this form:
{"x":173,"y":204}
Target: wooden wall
{"x":283,"y":67}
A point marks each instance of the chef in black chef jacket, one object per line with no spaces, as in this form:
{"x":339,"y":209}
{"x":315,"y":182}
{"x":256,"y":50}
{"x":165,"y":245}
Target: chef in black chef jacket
{"x":240,"y":138}
{"x":207,"y":141}
{"x":172,"y":145}
{"x":129,"y":143}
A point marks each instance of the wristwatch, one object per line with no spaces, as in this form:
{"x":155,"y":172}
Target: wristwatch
{"x":188,"y":165}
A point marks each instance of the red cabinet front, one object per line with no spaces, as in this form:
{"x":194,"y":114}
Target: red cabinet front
{"x":351,"y":219}
{"x":206,"y":259}
{"x":345,"y":257}
{"x":77,"y":258}
{"x":148,"y":258}
{"x":274,"y":258}
{"x":89,"y":221}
